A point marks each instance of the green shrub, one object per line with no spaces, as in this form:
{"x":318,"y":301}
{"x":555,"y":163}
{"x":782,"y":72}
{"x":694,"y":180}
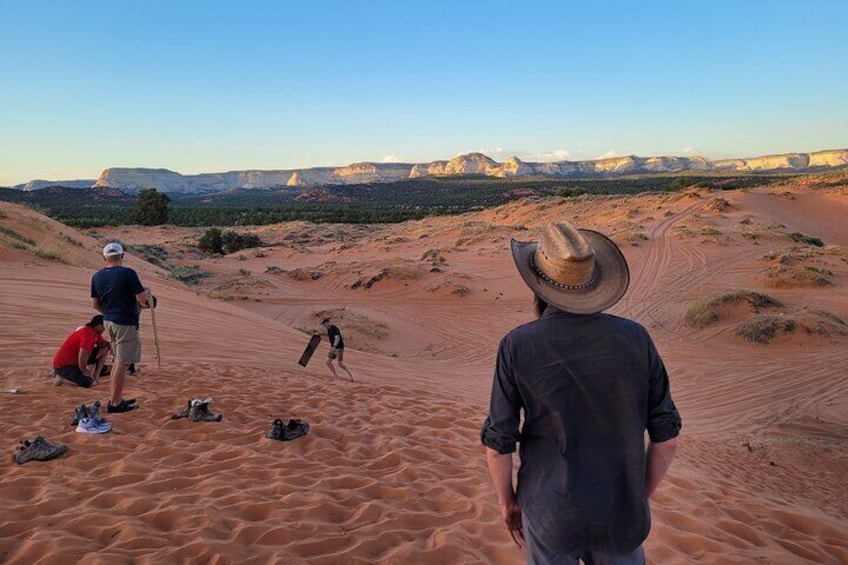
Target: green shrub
{"x":190,"y":275}
{"x":15,"y":235}
{"x":805,"y":239}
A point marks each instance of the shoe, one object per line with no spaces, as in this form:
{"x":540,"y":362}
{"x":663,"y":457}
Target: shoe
{"x":38,"y":449}
{"x":131,"y":370}
{"x":94,"y":411}
{"x":80,"y":412}
{"x":292,"y":430}
{"x":276,"y":431}
{"x":199,"y":411}
{"x":122,"y":406}
{"x":93,"y":426}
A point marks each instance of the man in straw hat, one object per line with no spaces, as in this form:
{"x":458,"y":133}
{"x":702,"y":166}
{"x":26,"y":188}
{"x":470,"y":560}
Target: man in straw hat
{"x":589,"y":385}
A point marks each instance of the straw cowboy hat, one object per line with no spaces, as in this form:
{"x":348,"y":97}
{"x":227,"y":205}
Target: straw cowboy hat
{"x":576,"y":270}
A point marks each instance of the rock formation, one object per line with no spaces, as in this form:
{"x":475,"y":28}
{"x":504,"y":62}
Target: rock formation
{"x":134,"y":179}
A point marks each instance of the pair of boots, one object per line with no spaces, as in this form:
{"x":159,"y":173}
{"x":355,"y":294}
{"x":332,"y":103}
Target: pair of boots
{"x":289,"y":431}
{"x":198,"y":410}
{"x":38,"y":449}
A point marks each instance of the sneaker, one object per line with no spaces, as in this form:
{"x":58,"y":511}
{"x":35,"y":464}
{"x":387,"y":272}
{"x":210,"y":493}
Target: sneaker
{"x":276,"y":431}
{"x":38,"y":450}
{"x":289,"y":431}
{"x":122,"y":406}
{"x":93,"y":426}
{"x":80,"y":412}
{"x":94,"y":411}
{"x":199,"y":411}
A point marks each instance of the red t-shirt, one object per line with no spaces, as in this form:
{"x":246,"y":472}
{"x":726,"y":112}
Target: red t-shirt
{"x":84,"y":338}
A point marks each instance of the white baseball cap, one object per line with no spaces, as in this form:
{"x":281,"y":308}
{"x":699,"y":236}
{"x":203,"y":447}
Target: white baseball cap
{"x":113,"y":250}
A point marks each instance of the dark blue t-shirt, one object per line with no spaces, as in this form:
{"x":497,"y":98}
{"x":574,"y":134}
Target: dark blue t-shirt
{"x":335,"y":336}
{"x":116,"y":288}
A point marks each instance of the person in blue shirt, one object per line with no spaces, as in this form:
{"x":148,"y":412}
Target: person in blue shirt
{"x":336,"y":348}
{"x":118,"y":294}
{"x":577,"y":389}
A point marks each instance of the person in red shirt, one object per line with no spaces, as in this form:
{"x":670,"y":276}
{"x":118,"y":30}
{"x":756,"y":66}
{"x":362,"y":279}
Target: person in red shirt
{"x":80,"y":350}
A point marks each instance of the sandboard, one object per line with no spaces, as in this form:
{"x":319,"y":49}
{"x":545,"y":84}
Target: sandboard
{"x":310,"y":349}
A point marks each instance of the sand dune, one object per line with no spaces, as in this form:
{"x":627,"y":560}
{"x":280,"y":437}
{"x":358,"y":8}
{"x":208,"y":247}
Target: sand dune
{"x":392,"y":470}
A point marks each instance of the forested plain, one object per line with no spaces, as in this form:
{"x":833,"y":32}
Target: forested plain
{"x":354,"y":204}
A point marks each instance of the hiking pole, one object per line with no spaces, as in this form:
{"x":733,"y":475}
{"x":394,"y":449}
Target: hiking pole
{"x":155,"y":333}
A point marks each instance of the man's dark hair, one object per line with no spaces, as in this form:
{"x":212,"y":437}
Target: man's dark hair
{"x":539,"y":306}
{"x":95,"y":321}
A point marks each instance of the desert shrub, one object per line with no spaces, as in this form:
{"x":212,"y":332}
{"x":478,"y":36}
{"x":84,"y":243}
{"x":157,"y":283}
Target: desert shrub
{"x":764,"y":328}
{"x":707,"y":311}
{"x":461,"y":290}
{"x":709,"y":231}
{"x":233,"y":241}
{"x":15,"y":235}
{"x":785,"y":275}
{"x":49,"y":253}
{"x":211,"y":241}
{"x":218,"y":242}
{"x":812,"y":322}
{"x":155,"y":254}
{"x":190,"y":275}
{"x":564,"y":192}
{"x":805,"y":239}
{"x":71,"y":240}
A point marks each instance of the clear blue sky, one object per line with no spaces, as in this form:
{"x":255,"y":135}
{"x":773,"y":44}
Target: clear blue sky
{"x":204,"y":86}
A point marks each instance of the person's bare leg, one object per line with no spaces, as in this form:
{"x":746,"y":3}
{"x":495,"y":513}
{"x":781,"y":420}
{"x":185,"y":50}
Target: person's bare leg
{"x":116,"y":382}
{"x":333,"y":369}
{"x":101,"y":360}
{"x":346,"y":370}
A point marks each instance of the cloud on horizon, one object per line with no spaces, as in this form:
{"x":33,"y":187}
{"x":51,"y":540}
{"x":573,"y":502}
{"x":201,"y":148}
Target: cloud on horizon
{"x":608,"y":155}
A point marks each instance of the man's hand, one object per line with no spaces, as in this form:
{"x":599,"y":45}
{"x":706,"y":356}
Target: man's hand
{"x":511,"y":514}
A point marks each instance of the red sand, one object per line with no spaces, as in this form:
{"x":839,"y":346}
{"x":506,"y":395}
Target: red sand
{"x":392,"y":470}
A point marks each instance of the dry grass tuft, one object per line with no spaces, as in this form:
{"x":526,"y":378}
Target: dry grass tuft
{"x":709,"y":310}
{"x":786,"y":276}
{"x":764,"y":328}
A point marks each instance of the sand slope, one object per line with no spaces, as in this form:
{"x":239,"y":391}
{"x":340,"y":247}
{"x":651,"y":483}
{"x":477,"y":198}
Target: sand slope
{"x":392,"y":471}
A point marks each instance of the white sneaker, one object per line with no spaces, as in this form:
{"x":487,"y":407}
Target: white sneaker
{"x":93,"y":426}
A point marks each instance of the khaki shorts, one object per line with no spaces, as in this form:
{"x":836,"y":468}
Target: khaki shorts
{"x":336,"y":354}
{"x":126,"y":342}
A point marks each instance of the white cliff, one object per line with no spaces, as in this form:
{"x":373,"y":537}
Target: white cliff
{"x":134,"y":179}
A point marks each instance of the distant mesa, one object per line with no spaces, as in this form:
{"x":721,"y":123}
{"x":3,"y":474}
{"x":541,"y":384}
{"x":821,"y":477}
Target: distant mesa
{"x":164,"y":180}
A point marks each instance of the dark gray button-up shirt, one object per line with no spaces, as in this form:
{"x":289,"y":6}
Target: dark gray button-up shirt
{"x":589,"y":387}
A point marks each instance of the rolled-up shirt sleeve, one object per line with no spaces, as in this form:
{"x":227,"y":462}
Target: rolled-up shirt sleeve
{"x":664,"y":421}
{"x":500,"y":430}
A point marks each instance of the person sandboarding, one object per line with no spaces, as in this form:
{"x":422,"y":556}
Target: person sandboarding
{"x":336,"y":352}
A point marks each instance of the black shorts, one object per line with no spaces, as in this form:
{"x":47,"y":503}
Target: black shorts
{"x":72,"y":373}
